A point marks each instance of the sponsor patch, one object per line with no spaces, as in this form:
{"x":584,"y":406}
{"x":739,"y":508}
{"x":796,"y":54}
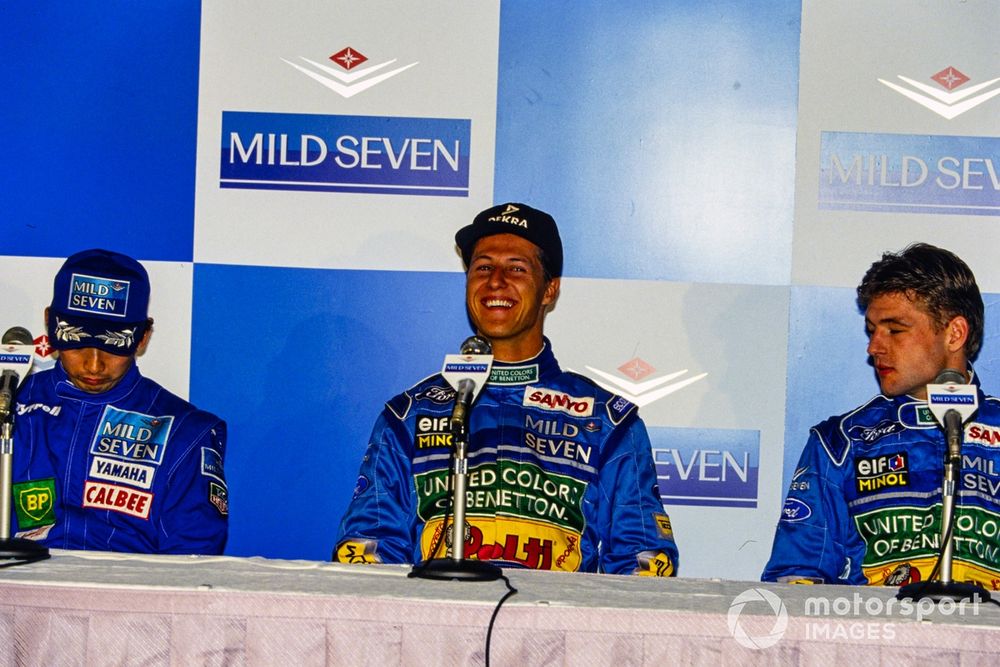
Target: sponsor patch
{"x":514,"y":374}
{"x":98,"y":296}
{"x":211,"y":464}
{"x":795,"y":510}
{"x":619,"y":408}
{"x":982,"y":434}
{"x":361,"y":485}
{"x":112,"y":470}
{"x":663,"y":525}
{"x":654,"y":564}
{"x":37,"y":534}
{"x":925,"y":417}
{"x":557,"y":401}
{"x":435,"y":394}
{"x":35,"y":502}
{"x":47,"y":409}
{"x":432,"y":431}
{"x":218,"y":495}
{"x":878,"y":472}
{"x":903,"y":574}
{"x":131,"y":436}
{"x":357,"y":552}
{"x":125,"y":500}
{"x":797,"y":483}
{"x":872,"y":434}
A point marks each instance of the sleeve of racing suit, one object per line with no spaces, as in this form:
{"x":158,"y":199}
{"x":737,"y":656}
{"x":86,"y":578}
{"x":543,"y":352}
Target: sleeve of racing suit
{"x":636,"y":536}
{"x":379,"y":524}
{"x":814,"y":541}
{"x":195,"y":517}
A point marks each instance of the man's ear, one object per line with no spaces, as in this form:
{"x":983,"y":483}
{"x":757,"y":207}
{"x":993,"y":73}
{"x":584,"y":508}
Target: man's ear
{"x":551,"y":292}
{"x":957,"y":331}
{"x":141,"y":347}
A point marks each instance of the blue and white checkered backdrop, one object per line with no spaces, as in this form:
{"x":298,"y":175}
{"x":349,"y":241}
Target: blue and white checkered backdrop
{"x":722,"y":172}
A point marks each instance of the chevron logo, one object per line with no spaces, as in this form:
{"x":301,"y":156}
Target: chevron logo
{"x":646,"y":392}
{"x":950,"y":102}
{"x":352,"y":78}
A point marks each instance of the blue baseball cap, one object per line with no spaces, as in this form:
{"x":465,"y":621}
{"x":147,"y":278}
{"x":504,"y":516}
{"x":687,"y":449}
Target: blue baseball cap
{"x":99,"y":299}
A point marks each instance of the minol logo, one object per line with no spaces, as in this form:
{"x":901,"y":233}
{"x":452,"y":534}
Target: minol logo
{"x":364,"y":154}
{"x":98,"y":296}
{"x":879,"y":472}
{"x":433,"y":431}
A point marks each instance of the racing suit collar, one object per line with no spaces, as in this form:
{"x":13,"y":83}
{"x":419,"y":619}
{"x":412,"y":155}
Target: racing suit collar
{"x":538,"y":368}
{"x":66,"y":389}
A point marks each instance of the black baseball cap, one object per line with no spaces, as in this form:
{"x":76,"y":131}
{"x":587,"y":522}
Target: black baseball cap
{"x":521,"y":220}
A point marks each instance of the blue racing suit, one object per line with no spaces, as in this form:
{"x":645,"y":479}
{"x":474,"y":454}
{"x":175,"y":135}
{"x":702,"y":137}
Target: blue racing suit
{"x":133,"y":469}
{"x":560,"y":477}
{"x":864,"y":504}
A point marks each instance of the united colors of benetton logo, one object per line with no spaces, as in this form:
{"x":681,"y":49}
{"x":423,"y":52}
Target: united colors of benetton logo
{"x":98,"y":296}
{"x":949,"y":98}
{"x":349,"y":78}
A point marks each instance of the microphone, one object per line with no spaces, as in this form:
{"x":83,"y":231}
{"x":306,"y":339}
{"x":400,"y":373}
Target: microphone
{"x":17,"y":350}
{"x":467,"y":373}
{"x":952,"y":401}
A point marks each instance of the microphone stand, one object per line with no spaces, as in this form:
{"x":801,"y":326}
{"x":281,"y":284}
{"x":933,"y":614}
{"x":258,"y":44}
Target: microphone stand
{"x":458,"y":568}
{"x":945,"y":588}
{"x":16,"y":549}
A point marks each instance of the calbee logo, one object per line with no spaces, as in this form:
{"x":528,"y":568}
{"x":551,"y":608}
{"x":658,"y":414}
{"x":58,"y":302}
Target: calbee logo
{"x":945,"y":99}
{"x":351,"y":78}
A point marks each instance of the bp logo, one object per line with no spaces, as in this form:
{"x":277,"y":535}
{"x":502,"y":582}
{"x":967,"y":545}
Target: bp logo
{"x":34,"y":502}
{"x":753,"y":638}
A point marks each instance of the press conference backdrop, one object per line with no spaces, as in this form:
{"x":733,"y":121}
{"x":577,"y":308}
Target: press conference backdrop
{"x":292,"y":174}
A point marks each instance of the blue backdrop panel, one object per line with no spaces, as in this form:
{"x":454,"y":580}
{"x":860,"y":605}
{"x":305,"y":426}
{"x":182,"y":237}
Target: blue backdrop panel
{"x":660,"y":135}
{"x":100,"y":141}
{"x":313,"y":351}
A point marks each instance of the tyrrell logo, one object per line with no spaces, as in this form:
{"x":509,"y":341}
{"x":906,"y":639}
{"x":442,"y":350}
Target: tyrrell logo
{"x":355,"y":79}
{"x":950,"y":102}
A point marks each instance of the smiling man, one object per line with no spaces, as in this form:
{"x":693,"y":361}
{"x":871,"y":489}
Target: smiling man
{"x":561,"y":474}
{"x":864,"y":506}
{"x":104,"y":458}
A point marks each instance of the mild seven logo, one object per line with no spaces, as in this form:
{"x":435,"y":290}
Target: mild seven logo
{"x":366,"y":154}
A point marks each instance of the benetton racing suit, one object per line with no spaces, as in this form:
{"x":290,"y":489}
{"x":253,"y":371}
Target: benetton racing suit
{"x":132,"y":469}
{"x":561,"y":477}
{"x":864,"y":504}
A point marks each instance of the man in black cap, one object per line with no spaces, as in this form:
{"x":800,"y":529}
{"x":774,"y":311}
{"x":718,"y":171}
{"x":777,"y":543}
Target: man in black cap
{"x":560,"y":471}
{"x":104,"y":458}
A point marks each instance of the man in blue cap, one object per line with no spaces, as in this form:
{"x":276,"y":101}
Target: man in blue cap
{"x":105,"y":458}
